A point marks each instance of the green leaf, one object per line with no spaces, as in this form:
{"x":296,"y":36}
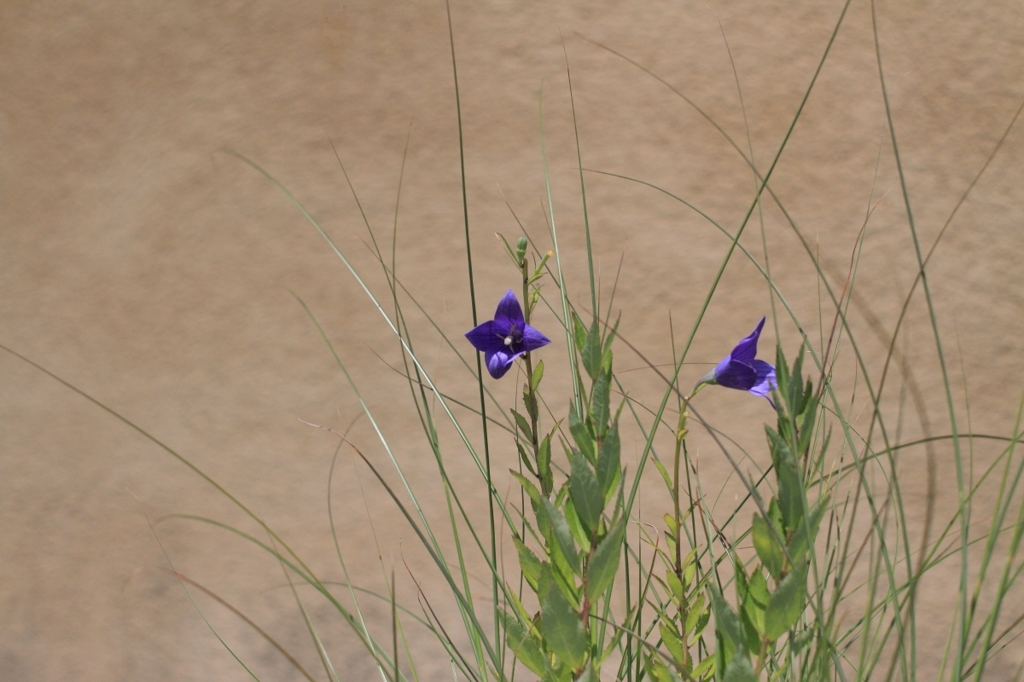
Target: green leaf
{"x":739,"y":669}
{"x":600,"y":409}
{"x":528,"y":563}
{"x":664,"y":473}
{"x":792,"y":497}
{"x":757,"y":600}
{"x":523,"y":645}
{"x":675,"y":586}
{"x":804,"y":534}
{"x":562,"y":534}
{"x":538,"y":374}
{"x":523,"y":425}
{"x":592,"y":351}
{"x":807,"y":423}
{"x":525,"y":458}
{"x":609,"y":470}
{"x":528,"y":486}
{"x":530,"y":402}
{"x":579,"y":332}
{"x":581,"y":434}
{"x":693,"y":615}
{"x":673,"y":643}
{"x":579,"y":533}
{"x":611,"y":335}
{"x":707,"y":665}
{"x":775,"y":513}
{"x":726,"y":621}
{"x":750,"y":631}
{"x":767,"y":546}
{"x":657,"y":670}
{"x":787,"y":603}
{"x":585,"y":493}
{"x":562,"y":629}
{"x":605,"y":562}
{"x":778,"y":446}
{"x":547,"y":481}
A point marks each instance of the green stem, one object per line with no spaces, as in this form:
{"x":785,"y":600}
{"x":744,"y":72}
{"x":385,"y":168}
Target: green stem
{"x":531,"y":408}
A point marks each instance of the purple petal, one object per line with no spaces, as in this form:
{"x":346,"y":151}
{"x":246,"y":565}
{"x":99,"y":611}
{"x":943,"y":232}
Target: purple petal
{"x":509,"y":311}
{"x":487,"y":336}
{"x":533,"y":339}
{"x":499,"y":362}
{"x":765,"y":379}
{"x":732,"y":374}
{"x":746,"y":349}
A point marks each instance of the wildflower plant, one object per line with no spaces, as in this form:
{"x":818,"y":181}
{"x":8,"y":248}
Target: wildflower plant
{"x":598,"y":591}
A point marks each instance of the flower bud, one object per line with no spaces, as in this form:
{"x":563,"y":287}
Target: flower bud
{"x":521,"y":249}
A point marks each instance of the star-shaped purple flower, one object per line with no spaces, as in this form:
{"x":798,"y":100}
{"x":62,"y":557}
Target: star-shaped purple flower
{"x":506,"y":337}
{"x":740,"y":370}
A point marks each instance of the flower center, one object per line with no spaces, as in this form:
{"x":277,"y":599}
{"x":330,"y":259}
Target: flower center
{"x":514,"y":336}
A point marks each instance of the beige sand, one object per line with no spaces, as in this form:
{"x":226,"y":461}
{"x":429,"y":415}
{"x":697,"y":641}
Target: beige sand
{"x":146,"y":266}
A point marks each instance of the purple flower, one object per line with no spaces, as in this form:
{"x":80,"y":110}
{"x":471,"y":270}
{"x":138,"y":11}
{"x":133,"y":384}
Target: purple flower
{"x":506,"y":337}
{"x":740,"y":370}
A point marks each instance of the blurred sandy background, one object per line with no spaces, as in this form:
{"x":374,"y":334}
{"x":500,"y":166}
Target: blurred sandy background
{"x":144,"y":265}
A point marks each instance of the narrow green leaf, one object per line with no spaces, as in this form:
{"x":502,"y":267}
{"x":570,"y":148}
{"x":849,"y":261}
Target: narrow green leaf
{"x":528,"y":486}
{"x":579,"y":533}
{"x":775,"y":513}
{"x":581,"y":434}
{"x":726,"y":621}
{"x":562,"y":534}
{"x":739,"y":669}
{"x":657,"y":670}
{"x":757,"y":600}
{"x":525,"y":458}
{"x":767,"y":546}
{"x":664,"y":474}
{"x":792,"y":497}
{"x":670,"y":525}
{"x":530,"y":402}
{"x":523,"y":645}
{"x":807,"y":423}
{"x":675,"y":586}
{"x":672,"y":642}
{"x":787,"y":603}
{"x":523,"y":425}
{"x":804,"y":534}
{"x":611,"y":335}
{"x":609,"y":470}
{"x":562,"y":629}
{"x":693,"y":615}
{"x":547,"y":482}
{"x":600,"y":408}
{"x":592,"y":351}
{"x":528,"y":563}
{"x":580,"y":332}
{"x":585,"y":493}
{"x":538,"y":374}
{"x":778,"y":446}
{"x":750,"y":632}
{"x":605,"y":562}
{"x":705,"y":666}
